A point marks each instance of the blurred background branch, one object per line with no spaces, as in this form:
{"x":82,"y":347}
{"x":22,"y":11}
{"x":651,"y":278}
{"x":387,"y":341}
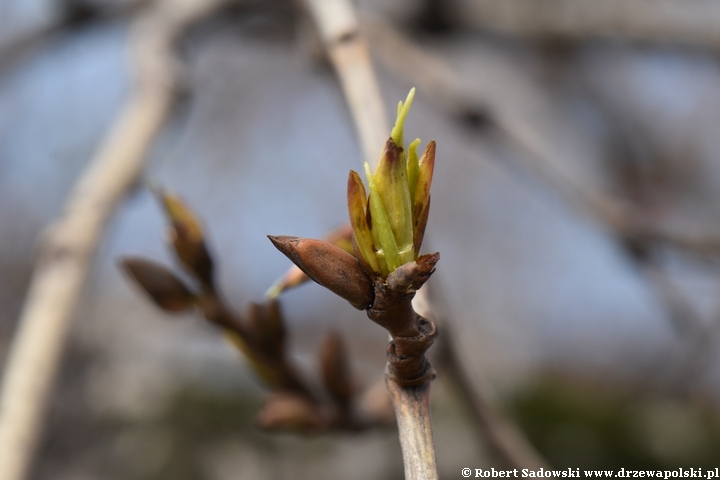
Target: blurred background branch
{"x":67,"y":247}
{"x":665,"y":21}
{"x":67,"y":15}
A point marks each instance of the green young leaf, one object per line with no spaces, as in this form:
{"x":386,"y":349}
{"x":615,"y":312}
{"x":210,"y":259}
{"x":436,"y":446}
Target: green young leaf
{"x":403,"y":109}
{"x":382,"y":231}
{"x":390,"y":177}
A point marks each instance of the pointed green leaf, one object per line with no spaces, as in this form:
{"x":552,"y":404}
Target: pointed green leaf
{"x":390,"y":177}
{"x":403,"y":109}
{"x":381,"y":229}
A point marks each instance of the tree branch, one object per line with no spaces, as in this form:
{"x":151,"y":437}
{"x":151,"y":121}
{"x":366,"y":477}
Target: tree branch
{"x":412,"y":410}
{"x":337,"y":23}
{"x":415,"y":438}
{"x":67,"y":247}
{"x":497,"y":431}
{"x":691,"y":22}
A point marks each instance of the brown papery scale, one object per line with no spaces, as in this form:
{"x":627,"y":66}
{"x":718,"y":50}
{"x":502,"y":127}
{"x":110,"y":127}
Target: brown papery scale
{"x":330,"y":266}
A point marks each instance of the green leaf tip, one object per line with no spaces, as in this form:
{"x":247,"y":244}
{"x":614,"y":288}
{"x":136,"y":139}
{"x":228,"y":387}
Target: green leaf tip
{"x":403,"y":109}
{"x":388,"y":222}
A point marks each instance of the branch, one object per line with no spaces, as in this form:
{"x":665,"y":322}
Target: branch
{"x":72,"y":15}
{"x":497,"y":430}
{"x":337,"y":23}
{"x":462,"y":97}
{"x":67,"y":247}
{"x":415,"y":439}
{"x":691,"y":22}
{"x":412,"y":410}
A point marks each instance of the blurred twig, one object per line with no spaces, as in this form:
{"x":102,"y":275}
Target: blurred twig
{"x":462,"y":97}
{"x":691,"y":22}
{"x":71,"y":14}
{"x":697,"y":337}
{"x":495,"y":428}
{"x":337,"y":23}
{"x":499,"y":433}
{"x":67,"y":247}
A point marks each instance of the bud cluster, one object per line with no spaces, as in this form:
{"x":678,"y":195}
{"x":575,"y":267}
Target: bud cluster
{"x":389,"y":223}
{"x":374,"y":263}
{"x":259,"y":333}
{"x":386,"y":268}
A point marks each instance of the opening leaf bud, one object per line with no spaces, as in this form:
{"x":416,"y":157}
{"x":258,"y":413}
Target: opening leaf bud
{"x":391,"y":180}
{"x":413,"y":168}
{"x":402,"y":112}
{"x":357,"y":207}
{"x":398,"y":204}
{"x":421,"y":202}
{"x":383,"y":237}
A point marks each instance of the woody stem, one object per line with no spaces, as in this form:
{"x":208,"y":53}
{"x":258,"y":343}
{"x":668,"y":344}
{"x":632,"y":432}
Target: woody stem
{"x":412,"y":409}
{"x":408,"y":377}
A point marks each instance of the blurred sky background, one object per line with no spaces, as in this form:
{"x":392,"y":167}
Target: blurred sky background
{"x":538,"y":289}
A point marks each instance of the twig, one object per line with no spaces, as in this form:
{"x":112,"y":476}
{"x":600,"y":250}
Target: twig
{"x":337,"y":23}
{"x":415,"y":440}
{"x":67,"y":247}
{"x":270,"y":357}
{"x":412,"y":410}
{"x":259,"y":333}
{"x":691,"y":22}
{"x":497,"y":431}
{"x":697,"y":338}
{"x":72,"y":14}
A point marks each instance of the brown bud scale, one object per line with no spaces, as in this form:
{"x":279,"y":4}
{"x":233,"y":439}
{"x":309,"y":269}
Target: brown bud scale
{"x":330,"y":266}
